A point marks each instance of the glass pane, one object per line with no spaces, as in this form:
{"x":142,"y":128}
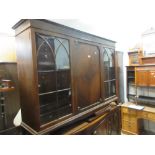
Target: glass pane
{"x":62,"y":53}
{"x":47,"y":81}
{"x":63,"y":79}
{"x":45,"y":54}
{"x":64,"y":98}
{"x":110,"y":89}
{"x":109,"y":65}
{"x":53,"y":75}
{"x":50,"y":110}
{"x":106,"y":66}
{"x":111,"y":73}
{"x":53,"y":115}
{"x":106,"y":88}
{"x":48,"y":102}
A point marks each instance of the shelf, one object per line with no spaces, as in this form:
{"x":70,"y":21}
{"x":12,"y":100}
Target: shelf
{"x":130,"y":77}
{"x":46,"y":71}
{"x":56,"y":91}
{"x":131,"y":84}
{"x":6,"y":89}
{"x":51,"y":108}
{"x":146,"y":86}
{"x":130,"y":71}
{"x":110,"y":80}
{"x":56,"y":70}
{"x":131,"y":94}
{"x":146,"y":99}
{"x":55,"y":110}
{"x":57,"y":114}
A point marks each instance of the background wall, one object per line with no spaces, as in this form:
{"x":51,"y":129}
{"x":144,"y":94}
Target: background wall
{"x":7,"y":48}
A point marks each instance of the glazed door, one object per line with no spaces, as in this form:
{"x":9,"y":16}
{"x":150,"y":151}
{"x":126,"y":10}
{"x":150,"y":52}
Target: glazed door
{"x":151,"y":78}
{"x":87,"y":75}
{"x":142,"y":78}
{"x":53,"y":64}
{"x":108,"y":72}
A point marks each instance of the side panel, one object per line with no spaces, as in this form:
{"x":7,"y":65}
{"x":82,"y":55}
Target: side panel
{"x":27,"y":80}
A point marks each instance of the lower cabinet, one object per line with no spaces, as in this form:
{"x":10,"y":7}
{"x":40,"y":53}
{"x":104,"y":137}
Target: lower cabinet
{"x":106,"y":124}
{"x":110,"y":125}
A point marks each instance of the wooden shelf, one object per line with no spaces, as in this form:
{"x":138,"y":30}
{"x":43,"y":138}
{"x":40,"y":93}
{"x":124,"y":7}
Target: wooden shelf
{"x":6,"y":89}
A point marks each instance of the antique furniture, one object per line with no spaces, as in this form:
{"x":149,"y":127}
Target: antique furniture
{"x":8,"y":70}
{"x":135,"y":57}
{"x":131,"y":89}
{"x":105,"y":123}
{"x":120,"y":73}
{"x":145,"y":84}
{"x":5,"y":87}
{"x":131,"y":118}
{"x":148,"y":60}
{"x":145,"y":76}
{"x":64,"y":74}
{"x":141,"y":84}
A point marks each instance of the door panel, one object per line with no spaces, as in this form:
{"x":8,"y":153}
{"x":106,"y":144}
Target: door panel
{"x":53,"y":59}
{"x":151,"y":78}
{"x":87,"y":75}
{"x":142,"y":78}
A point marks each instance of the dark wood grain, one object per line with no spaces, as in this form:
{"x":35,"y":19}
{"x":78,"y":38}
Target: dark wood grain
{"x":27,"y":80}
{"x":12,"y":102}
{"x":85,"y":74}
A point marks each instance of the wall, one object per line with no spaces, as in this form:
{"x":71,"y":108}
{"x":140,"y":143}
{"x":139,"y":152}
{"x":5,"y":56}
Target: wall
{"x":7,"y":48}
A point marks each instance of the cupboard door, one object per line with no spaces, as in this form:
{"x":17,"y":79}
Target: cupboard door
{"x":87,"y":75}
{"x":109,"y":73}
{"x":53,"y":63}
{"x":151,"y":78}
{"x":142,"y":78}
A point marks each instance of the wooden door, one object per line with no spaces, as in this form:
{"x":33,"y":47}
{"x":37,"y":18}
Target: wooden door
{"x":151,"y":76}
{"x":87,"y":75}
{"x":142,"y":78}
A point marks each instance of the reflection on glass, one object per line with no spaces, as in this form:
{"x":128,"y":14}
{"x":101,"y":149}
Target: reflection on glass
{"x":45,"y":55}
{"x":62,"y":53}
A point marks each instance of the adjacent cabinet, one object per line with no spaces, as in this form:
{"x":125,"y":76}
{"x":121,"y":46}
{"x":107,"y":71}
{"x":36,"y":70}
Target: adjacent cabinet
{"x":141,"y":84}
{"x":145,"y":76}
{"x":64,"y":74}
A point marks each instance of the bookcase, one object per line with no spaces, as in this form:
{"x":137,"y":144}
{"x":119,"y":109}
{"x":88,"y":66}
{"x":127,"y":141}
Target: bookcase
{"x":145,"y":84}
{"x":131,"y":87}
{"x":64,"y":74}
{"x":141,"y":84}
